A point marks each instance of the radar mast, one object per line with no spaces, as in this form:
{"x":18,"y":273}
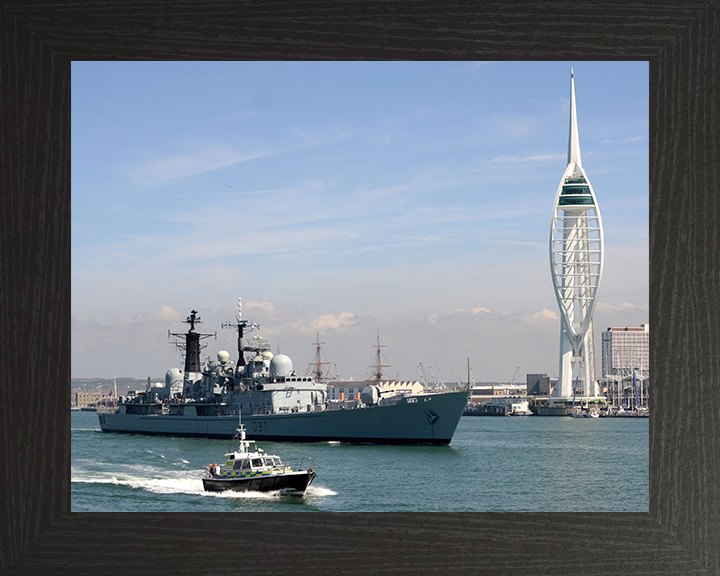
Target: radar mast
{"x":191,"y":347}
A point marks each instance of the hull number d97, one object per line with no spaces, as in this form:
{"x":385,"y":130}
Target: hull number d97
{"x":259,"y":426}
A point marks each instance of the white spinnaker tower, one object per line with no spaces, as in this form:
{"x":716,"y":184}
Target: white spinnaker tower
{"x":576,"y":263}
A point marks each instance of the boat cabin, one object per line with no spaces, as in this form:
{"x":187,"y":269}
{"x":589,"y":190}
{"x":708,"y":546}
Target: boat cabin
{"x":239,"y":463}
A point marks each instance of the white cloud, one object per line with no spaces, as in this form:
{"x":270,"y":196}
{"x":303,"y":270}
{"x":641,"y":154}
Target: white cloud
{"x":542,"y":317}
{"x":625,"y":306}
{"x":166,"y":313}
{"x":265,"y":306}
{"x":475,"y":66}
{"x":206,"y":159}
{"x":342,"y":320}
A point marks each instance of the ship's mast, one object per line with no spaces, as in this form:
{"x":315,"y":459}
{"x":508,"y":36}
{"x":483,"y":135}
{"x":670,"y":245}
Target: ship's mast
{"x":192,"y":345}
{"x":318,"y":369}
{"x":241,"y":325}
{"x":380,"y":366}
{"x":468,"y":384}
{"x":317,"y":364}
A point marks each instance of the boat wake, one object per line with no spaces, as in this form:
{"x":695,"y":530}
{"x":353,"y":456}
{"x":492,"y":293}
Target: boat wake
{"x":184,"y":485}
{"x":157,"y":485}
{"x":313,"y":490}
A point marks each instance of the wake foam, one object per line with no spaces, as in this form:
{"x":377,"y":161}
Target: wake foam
{"x":186,"y":485}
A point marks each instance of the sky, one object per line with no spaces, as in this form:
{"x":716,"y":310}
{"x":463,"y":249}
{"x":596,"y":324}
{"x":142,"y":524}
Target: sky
{"x":405,"y":201}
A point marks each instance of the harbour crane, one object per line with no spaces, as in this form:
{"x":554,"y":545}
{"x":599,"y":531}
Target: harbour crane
{"x":422,"y":374}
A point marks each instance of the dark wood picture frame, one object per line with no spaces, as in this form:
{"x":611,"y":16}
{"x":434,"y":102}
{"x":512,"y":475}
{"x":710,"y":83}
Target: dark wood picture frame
{"x":39,"y":534}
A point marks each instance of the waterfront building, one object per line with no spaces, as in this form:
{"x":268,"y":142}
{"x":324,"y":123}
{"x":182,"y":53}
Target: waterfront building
{"x":351,"y":390}
{"x":576,"y":264}
{"x":84,"y":399}
{"x":625,"y":349}
{"x":481,"y":393}
{"x":625,"y":364}
{"x":537,"y":384}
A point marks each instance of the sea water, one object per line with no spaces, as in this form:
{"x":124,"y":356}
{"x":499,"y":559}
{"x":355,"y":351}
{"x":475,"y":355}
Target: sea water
{"x":493,"y":464}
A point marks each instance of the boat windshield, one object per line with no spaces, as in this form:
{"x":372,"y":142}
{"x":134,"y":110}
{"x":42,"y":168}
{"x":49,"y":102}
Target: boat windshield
{"x":257,"y":462}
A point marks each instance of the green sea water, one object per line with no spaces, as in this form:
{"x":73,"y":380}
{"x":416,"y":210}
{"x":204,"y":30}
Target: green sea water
{"x":493,"y":464}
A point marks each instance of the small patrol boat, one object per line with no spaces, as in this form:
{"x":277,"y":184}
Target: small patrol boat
{"x":255,"y":471}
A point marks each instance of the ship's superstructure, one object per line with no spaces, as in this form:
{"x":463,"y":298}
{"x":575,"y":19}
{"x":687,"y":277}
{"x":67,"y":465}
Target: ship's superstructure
{"x":576,"y":263}
{"x":275,"y":402}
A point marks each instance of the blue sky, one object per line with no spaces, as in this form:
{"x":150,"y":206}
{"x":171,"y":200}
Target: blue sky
{"x":409,"y":198}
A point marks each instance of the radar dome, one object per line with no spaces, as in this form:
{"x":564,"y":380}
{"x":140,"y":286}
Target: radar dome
{"x":267,"y":355}
{"x":174,"y":380}
{"x":280,"y":366}
{"x":171,"y":376}
{"x":223,"y":356}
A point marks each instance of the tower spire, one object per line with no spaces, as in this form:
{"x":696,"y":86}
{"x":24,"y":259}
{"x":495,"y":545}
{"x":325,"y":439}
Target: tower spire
{"x":573,"y":139}
{"x":576,"y":263}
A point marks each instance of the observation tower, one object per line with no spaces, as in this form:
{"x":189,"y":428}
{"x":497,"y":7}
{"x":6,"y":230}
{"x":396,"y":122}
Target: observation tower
{"x":576,"y":265}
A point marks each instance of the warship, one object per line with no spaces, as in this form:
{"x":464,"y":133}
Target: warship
{"x":276,"y":404}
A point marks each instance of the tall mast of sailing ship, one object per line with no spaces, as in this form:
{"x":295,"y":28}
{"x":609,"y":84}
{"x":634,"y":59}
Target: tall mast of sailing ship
{"x":316,"y":368}
{"x":380,"y":366}
{"x":318,"y":365}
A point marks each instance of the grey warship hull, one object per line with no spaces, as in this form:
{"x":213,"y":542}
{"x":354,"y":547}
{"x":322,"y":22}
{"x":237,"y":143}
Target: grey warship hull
{"x":416,"y":419}
{"x":275,"y":403}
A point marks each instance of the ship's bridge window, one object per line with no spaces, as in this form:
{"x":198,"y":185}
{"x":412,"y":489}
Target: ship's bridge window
{"x":257,"y":462}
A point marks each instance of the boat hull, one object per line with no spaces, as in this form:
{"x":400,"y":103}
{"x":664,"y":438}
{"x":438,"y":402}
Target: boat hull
{"x":293,"y":484}
{"x":418,"y":419}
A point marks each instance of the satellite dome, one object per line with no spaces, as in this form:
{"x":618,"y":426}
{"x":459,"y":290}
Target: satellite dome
{"x":223,"y":356}
{"x":280,"y":366}
{"x":267,"y":355}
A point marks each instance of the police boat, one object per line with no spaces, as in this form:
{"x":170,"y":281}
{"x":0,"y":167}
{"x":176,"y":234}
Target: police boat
{"x":252,"y":470}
